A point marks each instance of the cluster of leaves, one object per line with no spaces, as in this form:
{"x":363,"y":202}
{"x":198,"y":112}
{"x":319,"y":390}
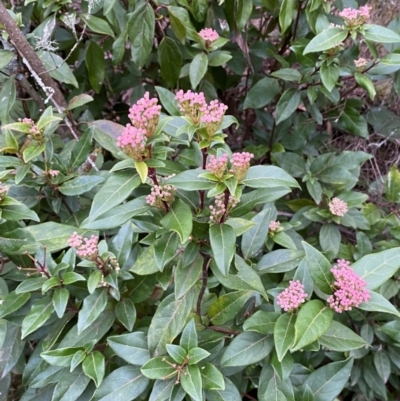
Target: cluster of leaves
{"x":175,"y":305}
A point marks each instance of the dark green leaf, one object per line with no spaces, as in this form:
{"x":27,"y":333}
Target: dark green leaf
{"x":222,"y":239}
{"x":96,"y":65}
{"x":92,"y":307}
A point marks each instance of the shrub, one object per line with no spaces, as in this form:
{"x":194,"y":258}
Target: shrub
{"x":202,"y":244}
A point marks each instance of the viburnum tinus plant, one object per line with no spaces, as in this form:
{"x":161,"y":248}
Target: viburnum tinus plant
{"x":178,"y":219}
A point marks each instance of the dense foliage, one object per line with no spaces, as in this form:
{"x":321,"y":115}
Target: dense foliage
{"x":175,"y":220}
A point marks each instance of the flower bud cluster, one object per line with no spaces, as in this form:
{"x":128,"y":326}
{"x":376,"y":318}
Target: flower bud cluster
{"x":3,"y":191}
{"x":292,"y":297}
{"x":132,"y":141}
{"x":145,"y":114}
{"x":274,"y":226}
{"x":338,"y":207}
{"x":209,"y":35}
{"x":191,"y":104}
{"x":360,"y":63}
{"x":217,"y":165}
{"x":353,"y":17}
{"x":220,"y":210}
{"x":213,"y":116}
{"x":240,"y":164}
{"x":350,"y":289}
{"x":34,"y":131}
{"x":53,"y":173}
{"x":161,"y":194}
{"x":86,"y":248}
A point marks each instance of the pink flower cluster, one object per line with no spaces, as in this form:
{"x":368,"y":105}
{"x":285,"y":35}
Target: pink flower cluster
{"x":86,"y":248}
{"x":360,"y":63}
{"x":220,"y":210}
{"x":240,"y":164}
{"x":217,"y":165}
{"x":3,"y":191}
{"x":338,"y":207}
{"x":350,"y":288}
{"x":209,"y":35}
{"x":191,"y":104}
{"x":274,"y":225}
{"x":354,"y":17}
{"x":34,"y":131}
{"x":53,"y":173}
{"x":292,"y":297}
{"x":145,"y":114}
{"x":160,"y":194}
{"x":132,"y":141}
{"x":213,"y":116}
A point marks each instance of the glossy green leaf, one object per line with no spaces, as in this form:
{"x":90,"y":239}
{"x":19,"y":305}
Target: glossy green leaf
{"x":286,"y":14}
{"x":125,"y":312}
{"x":158,"y":368}
{"x":60,"y":300}
{"x":170,"y":59}
{"x":192,"y":383}
{"x":313,"y":320}
{"x":131,"y":347}
{"x":179,"y":219}
{"x":222,"y":239}
{"x":287,"y":104}
{"x":197,"y":70}
{"x":262,"y":93}
{"x":212,"y":378}
{"x":284,"y":334}
{"x":12,"y":302}
{"x":38,"y":315}
{"x":95,"y":65}
{"x":187,"y":276}
{"x":268,"y":177}
{"x":80,"y":185}
{"x":380,"y":34}
{"x":92,"y":307}
{"x":325,"y":40}
{"x":94,"y":367}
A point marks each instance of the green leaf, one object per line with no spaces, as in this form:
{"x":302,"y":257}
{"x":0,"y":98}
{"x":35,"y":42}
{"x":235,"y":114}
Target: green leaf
{"x":230,"y":392}
{"x":32,"y":151}
{"x":353,"y":122}
{"x":325,"y":40}
{"x":29,"y":285}
{"x":80,"y":185}
{"x":382,"y":365}
{"x":38,"y":316}
{"x":247,"y":348}
{"x":281,"y":260}
{"x":72,"y":277}
{"x":388,"y":64}
{"x":366,"y":83}
{"x":131,"y":347}
{"x":254,"y":238}
{"x":167,"y":99}
{"x":378,"y":303}
{"x":114,"y":191}
{"x":117,"y":216}
{"x":146,"y":263}
{"x":125,"y":312}
{"x":282,"y":368}
{"x":340,"y":338}
{"x":158,"y":368}
{"x":141,"y":32}
{"x":92,"y":307}
{"x":287,"y":74}
{"x":284,"y":334}
{"x":262,"y":93}
{"x":286,"y":14}
{"x":60,"y":300}
{"x":329,"y":75}
{"x":123,"y":384}
{"x":79,"y":100}
{"x":377,"y":268}
{"x":94,"y":367}
{"x":226,"y":307}
{"x":168,"y":321}
{"x":95,"y":65}
{"x":320,"y":268}
{"x":81,"y":149}
{"x":178,"y":24}
{"x":179,"y":219}
{"x":313,"y":320}
{"x":142,"y":169}
{"x":268,"y":177}
{"x":12,"y":302}
{"x":59,"y":357}
{"x":5,"y":57}
{"x":287,"y":104}
{"x":70,"y":386}
{"x":329,"y":239}
{"x":170,"y":59}
{"x":11,"y":348}
{"x":380,"y":34}
{"x":18,"y":241}
{"x":197,"y":69}
{"x":195,"y":355}
{"x":97,"y":25}
{"x":177,"y":353}
{"x":189,"y":336}
{"x":18,"y":212}
{"x":392,"y":186}
{"x":106,"y":134}
{"x":212,"y":378}
{"x":222,"y":239}
{"x":218,"y":58}
{"x":162,"y":390}
{"x":57,"y":68}
{"x":192,"y":383}
{"x":187,"y":276}
{"x":327,"y":382}
{"x":262,"y":322}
